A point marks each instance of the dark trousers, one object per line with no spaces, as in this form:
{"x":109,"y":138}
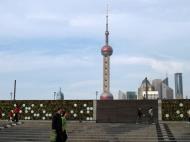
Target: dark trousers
{"x":64,"y":136}
{"x":16,"y":117}
{"x":150,"y":119}
{"x":59,"y":137}
{"x":139,"y":119}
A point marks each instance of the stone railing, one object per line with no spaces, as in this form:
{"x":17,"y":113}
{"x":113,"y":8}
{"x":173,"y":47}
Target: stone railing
{"x":44,"y":109}
{"x":168,"y":110}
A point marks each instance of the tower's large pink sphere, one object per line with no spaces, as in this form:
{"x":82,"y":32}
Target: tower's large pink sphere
{"x":107,"y":50}
{"x":107,"y":97}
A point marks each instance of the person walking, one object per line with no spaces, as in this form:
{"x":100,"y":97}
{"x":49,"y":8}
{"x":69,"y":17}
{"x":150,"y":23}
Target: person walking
{"x":1,"y":112}
{"x":139,"y":116}
{"x":10,"y":115}
{"x":57,"y":132}
{"x":150,"y":116}
{"x":64,"y":125}
{"x":16,"y":113}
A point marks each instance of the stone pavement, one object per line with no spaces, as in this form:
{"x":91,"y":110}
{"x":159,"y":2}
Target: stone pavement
{"x":180,"y":130}
{"x":6,"y":124}
{"x":38,"y":131}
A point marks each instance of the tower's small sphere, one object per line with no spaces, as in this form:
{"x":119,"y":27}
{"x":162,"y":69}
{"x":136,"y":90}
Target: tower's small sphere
{"x":107,"y":33}
{"x":107,"y":50}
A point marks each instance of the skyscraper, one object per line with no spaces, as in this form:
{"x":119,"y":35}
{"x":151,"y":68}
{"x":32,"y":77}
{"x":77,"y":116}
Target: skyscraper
{"x":162,"y":86}
{"x":146,"y":90}
{"x":167,"y":92}
{"x":121,"y":95}
{"x":178,"y":86}
{"x":165,"y":81}
{"x":157,"y":84}
{"x":106,"y":52}
{"x":131,"y":95}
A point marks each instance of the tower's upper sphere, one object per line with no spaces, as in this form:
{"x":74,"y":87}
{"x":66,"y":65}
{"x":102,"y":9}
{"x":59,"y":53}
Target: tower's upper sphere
{"x":107,"y":50}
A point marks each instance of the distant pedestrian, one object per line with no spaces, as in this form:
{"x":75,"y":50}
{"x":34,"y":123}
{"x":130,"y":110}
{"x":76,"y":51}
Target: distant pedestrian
{"x":11,"y":115}
{"x":1,"y":113}
{"x":64,"y":125}
{"x":16,"y":113}
{"x":188,"y":114}
{"x":139,"y":116}
{"x":150,"y":116}
{"x":56,"y":135}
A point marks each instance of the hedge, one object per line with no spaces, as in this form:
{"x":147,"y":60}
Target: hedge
{"x":44,"y":109}
{"x":175,"y":110}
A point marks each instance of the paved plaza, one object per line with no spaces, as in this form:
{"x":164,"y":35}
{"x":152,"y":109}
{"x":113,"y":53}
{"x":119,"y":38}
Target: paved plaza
{"x":38,"y":131}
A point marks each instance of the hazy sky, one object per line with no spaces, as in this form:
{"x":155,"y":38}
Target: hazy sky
{"x":47,"y":44}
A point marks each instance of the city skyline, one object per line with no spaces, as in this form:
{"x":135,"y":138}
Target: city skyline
{"x":45,"y":45}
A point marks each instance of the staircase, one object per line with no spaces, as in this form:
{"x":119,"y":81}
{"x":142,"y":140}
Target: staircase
{"x":38,"y":131}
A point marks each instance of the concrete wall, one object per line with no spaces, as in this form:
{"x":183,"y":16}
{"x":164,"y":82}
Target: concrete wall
{"x":101,"y":111}
{"x":125,"y":110}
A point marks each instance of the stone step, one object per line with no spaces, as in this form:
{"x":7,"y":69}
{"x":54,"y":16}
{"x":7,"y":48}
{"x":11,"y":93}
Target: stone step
{"x":90,"y":132}
{"x":111,"y":140}
{"x":24,"y":140}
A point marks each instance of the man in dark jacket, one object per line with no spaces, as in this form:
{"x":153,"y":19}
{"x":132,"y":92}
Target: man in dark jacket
{"x":139,"y":116}
{"x":57,"y":125}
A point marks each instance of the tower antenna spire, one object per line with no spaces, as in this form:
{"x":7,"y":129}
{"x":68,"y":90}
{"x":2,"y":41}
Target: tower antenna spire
{"x":107,"y":31}
{"x":106,"y":52}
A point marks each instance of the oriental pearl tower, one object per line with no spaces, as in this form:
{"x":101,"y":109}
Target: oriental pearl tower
{"x":106,"y":52}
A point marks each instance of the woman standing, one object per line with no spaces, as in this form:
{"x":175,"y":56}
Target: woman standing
{"x":64,"y":125}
